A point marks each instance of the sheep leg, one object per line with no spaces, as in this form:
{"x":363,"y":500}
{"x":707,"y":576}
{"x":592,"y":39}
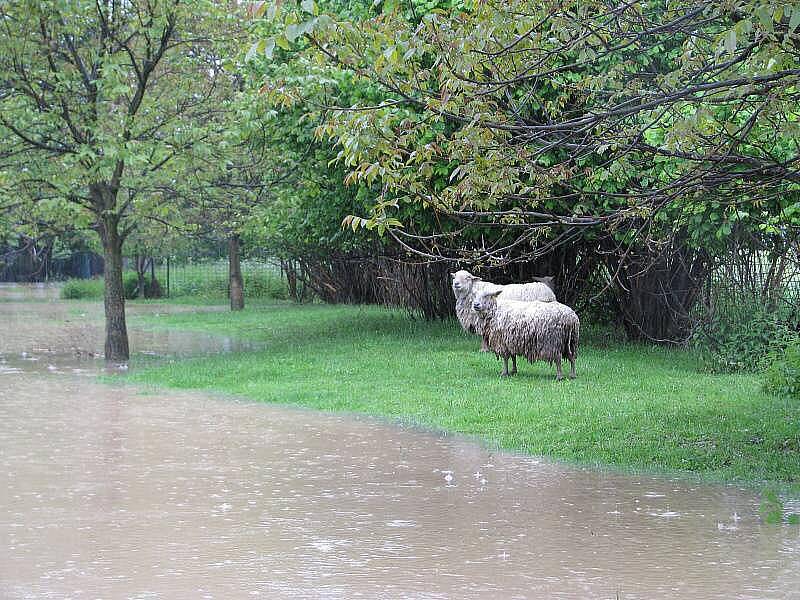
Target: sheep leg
{"x":559,"y":373}
{"x":505,"y":367}
{"x":513,"y":364}
{"x":572,"y":367}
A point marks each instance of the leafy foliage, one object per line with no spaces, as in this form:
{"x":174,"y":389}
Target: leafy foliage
{"x":210,"y":280}
{"x":747,"y":339}
{"x":102,"y":104}
{"x":82,"y":289}
{"x":528,"y":108}
{"x":494,"y":132}
{"x":782,"y":375}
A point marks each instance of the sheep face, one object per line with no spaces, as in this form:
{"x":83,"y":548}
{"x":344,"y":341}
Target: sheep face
{"x":484,"y":302}
{"x":462,"y":283}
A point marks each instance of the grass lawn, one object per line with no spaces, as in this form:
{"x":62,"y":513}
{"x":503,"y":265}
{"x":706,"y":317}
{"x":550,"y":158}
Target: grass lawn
{"x":633,"y":406}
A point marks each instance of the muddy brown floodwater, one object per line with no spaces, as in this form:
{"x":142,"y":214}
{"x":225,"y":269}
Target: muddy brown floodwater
{"x":109,"y":492}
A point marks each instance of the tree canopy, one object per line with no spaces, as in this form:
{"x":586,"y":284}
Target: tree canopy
{"x":99,"y":101}
{"x":649,"y":135}
{"x":626,"y":149}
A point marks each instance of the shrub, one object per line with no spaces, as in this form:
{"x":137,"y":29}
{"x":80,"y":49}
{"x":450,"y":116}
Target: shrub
{"x":194,"y":282}
{"x":82,"y":289}
{"x":782,"y":374}
{"x":742,"y":339}
{"x":265,"y":284}
{"x":129,"y":282}
{"x":92,"y":289}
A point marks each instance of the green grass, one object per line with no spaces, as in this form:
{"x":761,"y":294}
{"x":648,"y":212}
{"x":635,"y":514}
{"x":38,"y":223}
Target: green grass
{"x":632,"y":406}
{"x":82,"y":289}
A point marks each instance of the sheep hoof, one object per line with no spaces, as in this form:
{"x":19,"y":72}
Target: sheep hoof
{"x":572,"y":376}
{"x":504,"y":375}
{"x":559,"y":378}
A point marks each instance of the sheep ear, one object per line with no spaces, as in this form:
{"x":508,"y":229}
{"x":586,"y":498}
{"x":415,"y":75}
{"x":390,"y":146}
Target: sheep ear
{"x":496,"y":294}
{"x":452,"y":275}
{"x":475,"y":278}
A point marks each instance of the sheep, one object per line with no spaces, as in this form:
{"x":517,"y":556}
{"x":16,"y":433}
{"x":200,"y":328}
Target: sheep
{"x":536,"y":330}
{"x":466,"y":286}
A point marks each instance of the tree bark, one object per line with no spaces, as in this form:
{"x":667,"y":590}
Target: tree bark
{"x":236,"y":283}
{"x":116,"y":347}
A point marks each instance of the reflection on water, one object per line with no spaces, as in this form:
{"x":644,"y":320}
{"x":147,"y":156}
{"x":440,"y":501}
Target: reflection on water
{"x":105,"y":492}
{"x":70,"y":334}
{"x":11,"y":292}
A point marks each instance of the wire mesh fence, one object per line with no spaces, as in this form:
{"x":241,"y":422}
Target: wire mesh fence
{"x":31,"y":264}
{"x":208,"y":276}
{"x":757,"y":279}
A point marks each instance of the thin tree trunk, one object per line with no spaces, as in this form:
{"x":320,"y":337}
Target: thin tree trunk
{"x":291,"y":279}
{"x":140,"y":271}
{"x":116,"y":347}
{"x":154,"y":289}
{"x":235,"y":273}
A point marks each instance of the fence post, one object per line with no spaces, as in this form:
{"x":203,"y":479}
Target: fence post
{"x":168,"y":277}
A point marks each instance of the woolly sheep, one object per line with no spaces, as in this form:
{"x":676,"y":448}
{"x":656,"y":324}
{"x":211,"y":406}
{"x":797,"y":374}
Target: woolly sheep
{"x":466,"y":286}
{"x":536,"y":330}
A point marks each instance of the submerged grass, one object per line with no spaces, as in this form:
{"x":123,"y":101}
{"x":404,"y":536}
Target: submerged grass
{"x":634,"y":406}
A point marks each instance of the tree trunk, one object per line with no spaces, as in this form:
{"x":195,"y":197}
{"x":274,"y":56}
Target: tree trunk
{"x":116,"y":347}
{"x":154,"y":289}
{"x":235,"y":273}
{"x":140,"y":270}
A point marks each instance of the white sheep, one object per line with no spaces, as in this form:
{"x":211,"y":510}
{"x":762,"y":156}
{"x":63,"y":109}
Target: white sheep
{"x":536,"y":330}
{"x":466,"y":286}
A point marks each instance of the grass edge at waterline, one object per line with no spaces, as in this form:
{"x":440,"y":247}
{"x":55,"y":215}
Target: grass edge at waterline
{"x":633,"y":406}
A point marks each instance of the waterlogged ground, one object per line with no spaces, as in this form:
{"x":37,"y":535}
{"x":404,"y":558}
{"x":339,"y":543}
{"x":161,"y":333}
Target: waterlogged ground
{"x":108,"y":492}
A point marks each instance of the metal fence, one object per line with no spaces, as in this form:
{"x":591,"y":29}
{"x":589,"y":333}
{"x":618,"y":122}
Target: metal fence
{"x":208,"y":276}
{"x":742,"y":283}
{"x":29,"y":264}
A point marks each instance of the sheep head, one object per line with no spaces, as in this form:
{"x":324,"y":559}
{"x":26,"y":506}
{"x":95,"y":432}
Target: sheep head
{"x":462,"y":283}
{"x":485,"y":302}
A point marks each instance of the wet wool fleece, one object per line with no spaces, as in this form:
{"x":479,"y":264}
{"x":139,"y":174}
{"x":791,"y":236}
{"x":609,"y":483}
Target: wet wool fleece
{"x":516,"y":291}
{"x":536,"y":330}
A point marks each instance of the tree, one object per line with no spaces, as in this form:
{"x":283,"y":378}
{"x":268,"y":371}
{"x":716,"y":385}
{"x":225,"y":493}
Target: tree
{"x":644,"y":133}
{"x":96,"y":101}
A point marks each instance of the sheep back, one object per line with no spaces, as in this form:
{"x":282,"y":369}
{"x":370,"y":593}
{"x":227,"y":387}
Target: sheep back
{"x":527,"y":292}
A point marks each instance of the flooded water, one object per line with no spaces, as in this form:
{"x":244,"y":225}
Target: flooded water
{"x":108,"y":492}
{"x":37,"y":327}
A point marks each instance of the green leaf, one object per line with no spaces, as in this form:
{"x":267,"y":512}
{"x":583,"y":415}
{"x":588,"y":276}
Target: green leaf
{"x":309,"y":6}
{"x":292,"y":33}
{"x":730,"y":41}
{"x":794,"y":21}
{"x":256,"y":9}
{"x":269,"y":47}
{"x":255,"y":48}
